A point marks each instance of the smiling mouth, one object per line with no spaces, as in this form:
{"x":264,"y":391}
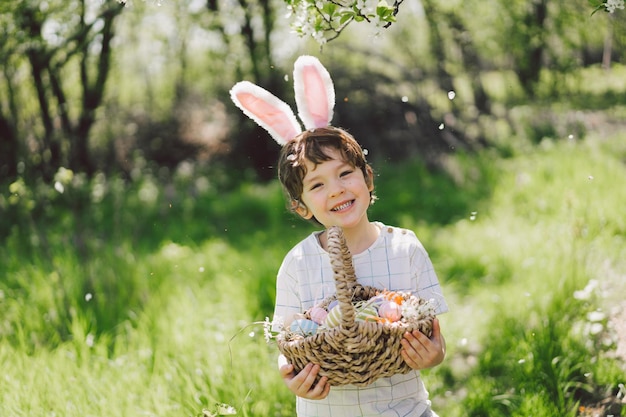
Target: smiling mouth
{"x":343,"y":206}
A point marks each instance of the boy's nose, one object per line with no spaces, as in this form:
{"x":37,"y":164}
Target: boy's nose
{"x":336,"y":188}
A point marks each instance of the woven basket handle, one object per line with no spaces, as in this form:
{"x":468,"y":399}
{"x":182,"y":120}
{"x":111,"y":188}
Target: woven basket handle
{"x":343,"y":269}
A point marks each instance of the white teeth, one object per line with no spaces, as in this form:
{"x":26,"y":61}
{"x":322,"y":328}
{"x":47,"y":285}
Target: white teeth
{"x":343,"y":206}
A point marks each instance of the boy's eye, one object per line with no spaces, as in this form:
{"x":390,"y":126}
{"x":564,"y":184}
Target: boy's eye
{"x":347,"y":172}
{"x":316,"y":185}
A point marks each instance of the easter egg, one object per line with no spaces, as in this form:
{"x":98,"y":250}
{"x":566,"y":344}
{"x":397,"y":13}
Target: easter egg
{"x":303,"y":327}
{"x":377,"y":300}
{"x":318,"y":314}
{"x":366,"y":312}
{"x":333,"y":319}
{"x":332,"y":305}
{"x":390,"y":311}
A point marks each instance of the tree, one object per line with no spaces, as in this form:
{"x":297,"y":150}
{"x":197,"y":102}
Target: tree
{"x":532,"y":34}
{"x":325,"y":21}
{"x":68,"y":56}
{"x":256,"y":23}
{"x":9,"y":109}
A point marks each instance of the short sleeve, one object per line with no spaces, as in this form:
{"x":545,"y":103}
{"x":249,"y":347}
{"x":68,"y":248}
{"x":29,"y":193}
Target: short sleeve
{"x":425,"y":279}
{"x":287,"y":293}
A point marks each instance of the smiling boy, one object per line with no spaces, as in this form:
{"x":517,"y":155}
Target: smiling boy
{"x":328,"y":180}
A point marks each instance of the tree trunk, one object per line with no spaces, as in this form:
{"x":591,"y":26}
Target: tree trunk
{"x":530,"y":64}
{"x":9,"y":149}
{"x":437,"y":45}
{"x":51,"y":149}
{"x":93,"y":93}
{"x":471,"y":62}
{"x":9,"y":144}
{"x":251,"y":146}
{"x":608,"y":45}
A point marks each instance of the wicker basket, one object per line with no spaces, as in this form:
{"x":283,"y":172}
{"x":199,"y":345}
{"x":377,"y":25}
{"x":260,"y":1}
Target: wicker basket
{"x":354,"y":352}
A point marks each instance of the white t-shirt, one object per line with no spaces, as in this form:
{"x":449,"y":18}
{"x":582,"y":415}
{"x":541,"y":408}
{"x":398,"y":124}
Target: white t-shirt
{"x":395,"y":261}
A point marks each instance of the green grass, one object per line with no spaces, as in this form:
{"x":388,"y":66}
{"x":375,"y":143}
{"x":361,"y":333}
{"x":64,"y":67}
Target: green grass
{"x":552,"y":223}
{"x":124,"y":299}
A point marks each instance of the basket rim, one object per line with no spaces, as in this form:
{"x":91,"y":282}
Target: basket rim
{"x":398,"y":327}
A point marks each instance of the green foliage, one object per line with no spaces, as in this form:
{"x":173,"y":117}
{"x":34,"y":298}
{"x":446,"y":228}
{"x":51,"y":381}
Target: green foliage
{"x":544,"y":235}
{"x":325,"y":21}
{"x":128,"y":297}
{"x":434,"y":199}
{"x":131,"y":316}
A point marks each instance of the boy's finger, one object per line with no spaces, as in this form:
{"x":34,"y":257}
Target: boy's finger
{"x":436,"y":329}
{"x":321,"y":386}
{"x":312,"y":375}
{"x":285,"y":370}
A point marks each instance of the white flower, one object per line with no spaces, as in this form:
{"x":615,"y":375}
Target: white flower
{"x":587,"y":292}
{"x":409,"y":311}
{"x":271,"y":328}
{"x":596,"y":328}
{"x":226,"y":410}
{"x":267,"y":330}
{"x":416,"y":309}
{"x":596,"y":316}
{"x":319,"y":37}
{"x":611,"y":5}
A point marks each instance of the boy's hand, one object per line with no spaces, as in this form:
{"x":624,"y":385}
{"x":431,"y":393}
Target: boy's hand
{"x":301,"y":384}
{"x":420,"y":352}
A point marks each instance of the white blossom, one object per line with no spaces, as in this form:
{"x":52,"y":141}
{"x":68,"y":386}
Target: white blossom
{"x":611,"y":5}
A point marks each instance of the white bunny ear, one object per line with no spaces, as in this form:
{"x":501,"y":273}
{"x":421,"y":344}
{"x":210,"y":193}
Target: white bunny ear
{"x":267,"y":110}
{"x":315,"y":93}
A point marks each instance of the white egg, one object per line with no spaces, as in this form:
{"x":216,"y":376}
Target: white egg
{"x":390,"y":311}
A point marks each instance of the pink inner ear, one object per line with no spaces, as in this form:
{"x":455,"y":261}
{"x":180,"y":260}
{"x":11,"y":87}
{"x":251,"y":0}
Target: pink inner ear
{"x":268,"y":116}
{"x":315,"y":95}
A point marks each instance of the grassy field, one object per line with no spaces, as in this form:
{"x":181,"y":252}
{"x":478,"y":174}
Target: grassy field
{"x":140,"y":298}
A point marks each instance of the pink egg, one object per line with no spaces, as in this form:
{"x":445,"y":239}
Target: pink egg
{"x":390,"y":311}
{"x":318,"y":314}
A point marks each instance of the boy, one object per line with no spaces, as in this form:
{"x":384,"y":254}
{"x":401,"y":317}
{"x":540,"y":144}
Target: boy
{"x":328,"y":180}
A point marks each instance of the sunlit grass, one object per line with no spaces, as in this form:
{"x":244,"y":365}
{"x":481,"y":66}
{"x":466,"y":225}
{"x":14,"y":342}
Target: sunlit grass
{"x":170,"y":353}
{"x":551,"y":225}
{"x":144,"y":303}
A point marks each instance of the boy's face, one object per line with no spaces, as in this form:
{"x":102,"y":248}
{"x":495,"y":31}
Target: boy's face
{"x":335,"y":192}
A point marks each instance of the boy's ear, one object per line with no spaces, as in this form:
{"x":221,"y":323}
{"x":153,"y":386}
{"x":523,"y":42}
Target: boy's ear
{"x":369,"y":178}
{"x":301,"y":209}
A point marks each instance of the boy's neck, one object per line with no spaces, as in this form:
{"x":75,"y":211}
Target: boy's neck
{"x":358,"y":239}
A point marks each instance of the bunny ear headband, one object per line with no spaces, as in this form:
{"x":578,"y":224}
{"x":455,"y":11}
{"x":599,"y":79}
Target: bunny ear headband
{"x":315,"y":98}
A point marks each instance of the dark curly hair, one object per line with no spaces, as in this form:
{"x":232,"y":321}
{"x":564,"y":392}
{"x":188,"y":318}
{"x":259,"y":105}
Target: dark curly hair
{"x":310,"y":145}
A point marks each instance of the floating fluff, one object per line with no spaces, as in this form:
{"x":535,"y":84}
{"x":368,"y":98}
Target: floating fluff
{"x":304,"y":327}
{"x":318,"y":314}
